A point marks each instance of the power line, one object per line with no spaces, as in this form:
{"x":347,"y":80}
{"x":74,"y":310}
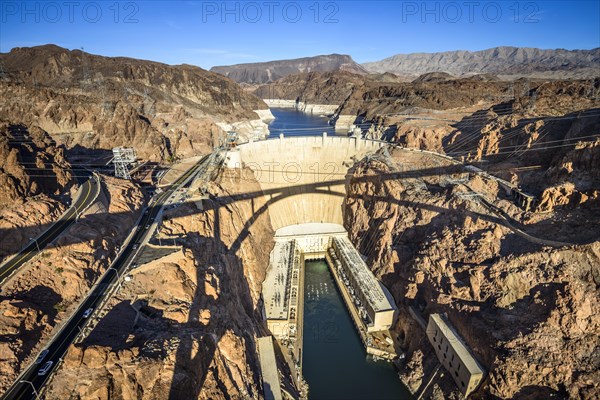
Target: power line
{"x":578,"y":139}
{"x":571,"y":142}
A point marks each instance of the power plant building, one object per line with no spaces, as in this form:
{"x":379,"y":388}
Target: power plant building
{"x":376,"y":305}
{"x":454,"y":354}
{"x":280,"y":289}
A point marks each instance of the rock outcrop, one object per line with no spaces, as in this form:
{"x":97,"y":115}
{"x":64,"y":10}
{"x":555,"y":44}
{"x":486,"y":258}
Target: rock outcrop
{"x":529,"y":313}
{"x":35,"y":180}
{"x":264,"y":72}
{"x":31,"y":163}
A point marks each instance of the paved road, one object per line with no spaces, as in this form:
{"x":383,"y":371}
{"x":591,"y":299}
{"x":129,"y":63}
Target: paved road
{"x":90,"y":190}
{"x":24,"y":387}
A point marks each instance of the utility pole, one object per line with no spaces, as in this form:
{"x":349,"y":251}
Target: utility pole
{"x":36,"y":244}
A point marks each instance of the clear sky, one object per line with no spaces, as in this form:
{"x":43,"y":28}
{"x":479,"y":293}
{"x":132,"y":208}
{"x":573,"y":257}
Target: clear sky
{"x":209,"y":33}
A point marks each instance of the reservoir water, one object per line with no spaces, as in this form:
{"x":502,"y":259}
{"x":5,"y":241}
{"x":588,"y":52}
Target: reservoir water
{"x":296,"y":123}
{"x":336,"y":365}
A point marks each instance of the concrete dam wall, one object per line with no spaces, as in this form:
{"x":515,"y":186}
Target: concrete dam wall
{"x":302,"y":178}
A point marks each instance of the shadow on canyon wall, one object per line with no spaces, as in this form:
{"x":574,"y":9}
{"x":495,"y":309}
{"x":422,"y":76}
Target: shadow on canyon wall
{"x":191,"y":367}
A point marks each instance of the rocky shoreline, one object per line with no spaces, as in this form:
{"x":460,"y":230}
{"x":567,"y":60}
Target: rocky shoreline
{"x":253,"y":129}
{"x":309,"y":108}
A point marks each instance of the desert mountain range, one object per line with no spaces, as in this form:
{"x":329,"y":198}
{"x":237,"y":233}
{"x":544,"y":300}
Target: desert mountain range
{"x":508,"y":62}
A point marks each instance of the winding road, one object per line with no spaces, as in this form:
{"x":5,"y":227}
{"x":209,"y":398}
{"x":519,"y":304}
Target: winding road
{"x":89,"y":193}
{"x":29,"y":383}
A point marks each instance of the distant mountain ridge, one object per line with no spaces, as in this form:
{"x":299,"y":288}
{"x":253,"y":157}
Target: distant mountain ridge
{"x":509,"y":61}
{"x":264,"y":72}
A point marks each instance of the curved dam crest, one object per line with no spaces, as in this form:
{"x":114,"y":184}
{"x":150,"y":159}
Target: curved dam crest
{"x":302,"y":178}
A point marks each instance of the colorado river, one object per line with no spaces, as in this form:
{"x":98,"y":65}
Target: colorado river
{"x":336,"y":365}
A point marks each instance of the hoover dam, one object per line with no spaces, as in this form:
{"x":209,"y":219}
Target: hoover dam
{"x":206,"y":200}
{"x":163,"y":237}
{"x":303,"y":178}
{"x":303,"y":181}
{"x":304,"y":189}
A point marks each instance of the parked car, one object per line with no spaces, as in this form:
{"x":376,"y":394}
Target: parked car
{"x":41,"y":357}
{"x":44,"y":370}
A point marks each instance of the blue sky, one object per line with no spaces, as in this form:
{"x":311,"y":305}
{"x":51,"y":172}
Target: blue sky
{"x":208,"y":33}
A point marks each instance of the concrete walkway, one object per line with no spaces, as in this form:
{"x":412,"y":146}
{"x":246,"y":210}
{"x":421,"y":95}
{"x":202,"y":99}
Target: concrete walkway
{"x":268,"y":366}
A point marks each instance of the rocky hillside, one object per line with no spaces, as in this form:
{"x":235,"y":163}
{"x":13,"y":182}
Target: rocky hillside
{"x":551,"y":128}
{"x":542,"y":139}
{"x":263,"y":72}
{"x":377,"y":94}
{"x":35,"y":182}
{"x":101,"y":102}
{"x":314,"y":87}
{"x":528,"y":312}
{"x":504,"y":61}
{"x":36,"y":301}
{"x":31,"y":163}
{"x":185,"y":326}
{"x":377,"y":98}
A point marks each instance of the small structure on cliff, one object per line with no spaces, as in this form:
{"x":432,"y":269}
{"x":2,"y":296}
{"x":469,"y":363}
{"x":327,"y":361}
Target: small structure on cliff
{"x":454,"y":354}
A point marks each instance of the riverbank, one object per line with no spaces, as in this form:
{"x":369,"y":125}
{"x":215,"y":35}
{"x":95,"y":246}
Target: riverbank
{"x":255,"y":129}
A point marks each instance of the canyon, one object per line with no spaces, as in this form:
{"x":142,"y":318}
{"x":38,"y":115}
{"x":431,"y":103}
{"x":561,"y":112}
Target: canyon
{"x":424,"y":175}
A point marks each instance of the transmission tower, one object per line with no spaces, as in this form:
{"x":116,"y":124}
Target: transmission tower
{"x":122,"y":157}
